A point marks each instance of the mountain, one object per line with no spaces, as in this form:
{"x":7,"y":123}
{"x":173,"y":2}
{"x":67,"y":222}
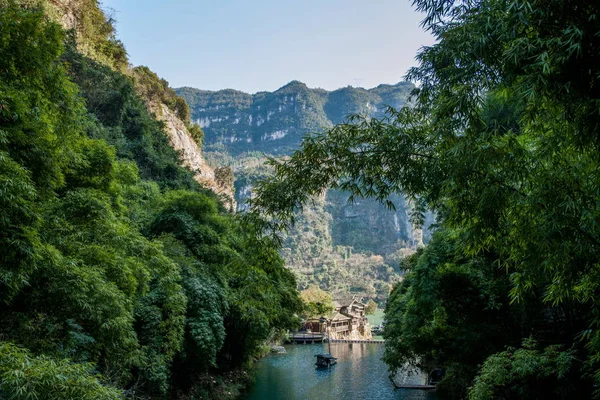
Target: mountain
{"x":339,"y":246}
{"x":275,"y":122}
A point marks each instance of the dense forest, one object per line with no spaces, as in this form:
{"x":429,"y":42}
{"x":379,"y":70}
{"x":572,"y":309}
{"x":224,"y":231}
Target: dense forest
{"x":502,"y":141}
{"x":120,"y":276}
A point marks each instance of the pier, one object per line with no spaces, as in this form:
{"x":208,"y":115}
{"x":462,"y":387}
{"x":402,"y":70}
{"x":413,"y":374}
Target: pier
{"x":310,"y":338}
{"x":307,"y":338}
{"x":357,"y":341}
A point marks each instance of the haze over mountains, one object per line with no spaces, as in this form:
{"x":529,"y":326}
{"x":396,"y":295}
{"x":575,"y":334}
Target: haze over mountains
{"x":339,"y":246}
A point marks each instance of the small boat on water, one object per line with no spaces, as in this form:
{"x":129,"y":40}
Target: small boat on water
{"x":377,"y":330}
{"x":325,"y":360}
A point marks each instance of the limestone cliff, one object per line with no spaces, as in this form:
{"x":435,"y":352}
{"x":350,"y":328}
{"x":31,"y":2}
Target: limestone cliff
{"x":275,"y":122}
{"x":65,"y":13}
{"x":338,"y":246}
{"x":95,"y":37}
{"x":191,"y":156}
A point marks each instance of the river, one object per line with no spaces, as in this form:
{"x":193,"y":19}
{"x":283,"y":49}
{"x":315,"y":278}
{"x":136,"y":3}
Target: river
{"x":359,"y":375}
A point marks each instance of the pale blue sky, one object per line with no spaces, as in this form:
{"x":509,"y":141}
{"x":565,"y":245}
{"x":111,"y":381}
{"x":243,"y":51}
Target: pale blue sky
{"x":255,"y":45}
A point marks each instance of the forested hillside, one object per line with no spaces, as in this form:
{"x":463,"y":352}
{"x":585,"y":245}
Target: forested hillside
{"x":502,"y":143}
{"x":120,"y":275}
{"x":338,"y":246}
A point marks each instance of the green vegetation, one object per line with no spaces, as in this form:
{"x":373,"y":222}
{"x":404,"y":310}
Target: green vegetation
{"x":90,"y":28}
{"x":501,"y":142}
{"x":156,"y":92}
{"x":339,"y":247}
{"x":453,"y":310}
{"x":318,"y":302}
{"x":526,"y":372}
{"x":24,"y":376}
{"x":310,"y":251}
{"x":124,"y":122}
{"x":371,"y":307}
{"x":119,"y":275}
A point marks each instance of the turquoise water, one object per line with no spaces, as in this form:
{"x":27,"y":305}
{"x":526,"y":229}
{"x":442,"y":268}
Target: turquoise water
{"x":359,"y":375}
{"x":377,"y":318}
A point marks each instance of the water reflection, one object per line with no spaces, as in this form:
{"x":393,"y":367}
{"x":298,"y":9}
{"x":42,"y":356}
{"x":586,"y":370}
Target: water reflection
{"x":359,"y":374}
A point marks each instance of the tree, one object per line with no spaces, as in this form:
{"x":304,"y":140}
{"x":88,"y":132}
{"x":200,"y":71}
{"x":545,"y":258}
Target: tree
{"x":317,"y":302}
{"x":107,"y":272}
{"x":526,"y":372}
{"x":501,"y":141}
{"x":49,"y":379}
{"x":371,"y":307}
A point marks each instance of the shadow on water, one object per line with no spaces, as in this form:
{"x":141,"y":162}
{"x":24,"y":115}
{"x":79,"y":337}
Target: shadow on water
{"x":359,"y":374}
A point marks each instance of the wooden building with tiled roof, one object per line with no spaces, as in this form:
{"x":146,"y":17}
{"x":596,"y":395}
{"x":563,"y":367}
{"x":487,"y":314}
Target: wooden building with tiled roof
{"x":349,"y":320}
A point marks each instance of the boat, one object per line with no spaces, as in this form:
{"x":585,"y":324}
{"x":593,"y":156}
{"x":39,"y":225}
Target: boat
{"x":377,"y":330}
{"x":325,"y":360}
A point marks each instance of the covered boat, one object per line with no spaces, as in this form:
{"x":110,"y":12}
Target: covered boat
{"x":325,"y":360}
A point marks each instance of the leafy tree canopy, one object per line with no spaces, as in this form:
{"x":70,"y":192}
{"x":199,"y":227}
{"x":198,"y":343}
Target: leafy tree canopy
{"x":371,"y":307}
{"x":318,"y":303}
{"x":118,"y":272}
{"x":501,"y":140}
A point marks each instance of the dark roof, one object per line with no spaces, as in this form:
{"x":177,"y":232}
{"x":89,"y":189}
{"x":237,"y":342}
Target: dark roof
{"x":344,"y":301}
{"x":325,"y":355}
{"x":340,"y":317}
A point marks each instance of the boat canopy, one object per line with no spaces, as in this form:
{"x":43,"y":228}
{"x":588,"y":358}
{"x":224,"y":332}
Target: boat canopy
{"x":326,"y":356}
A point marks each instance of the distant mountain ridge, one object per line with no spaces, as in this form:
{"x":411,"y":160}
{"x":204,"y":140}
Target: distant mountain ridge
{"x":341,"y":247}
{"x":275,"y":122}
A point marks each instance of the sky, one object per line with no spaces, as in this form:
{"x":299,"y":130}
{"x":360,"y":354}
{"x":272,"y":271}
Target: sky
{"x":256,"y":45}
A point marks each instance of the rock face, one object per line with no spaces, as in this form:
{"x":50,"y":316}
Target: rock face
{"x":71,"y":14}
{"x":339,"y":246}
{"x":276,"y":122}
{"x":65,"y":13}
{"x":408,"y":376}
{"x":278,"y":350}
{"x":191,"y":156}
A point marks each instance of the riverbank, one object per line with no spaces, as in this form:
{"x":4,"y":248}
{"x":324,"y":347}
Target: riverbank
{"x":359,"y":374}
{"x":229,"y":386}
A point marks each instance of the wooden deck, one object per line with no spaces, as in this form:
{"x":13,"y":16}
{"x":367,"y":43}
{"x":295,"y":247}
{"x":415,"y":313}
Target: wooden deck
{"x":307,"y":337}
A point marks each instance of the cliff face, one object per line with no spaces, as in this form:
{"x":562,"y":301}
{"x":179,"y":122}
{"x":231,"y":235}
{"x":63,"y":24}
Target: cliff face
{"x":276,"y":122}
{"x":94,"y":35}
{"x":65,"y":13}
{"x":339,"y":246}
{"x":191,"y":156}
